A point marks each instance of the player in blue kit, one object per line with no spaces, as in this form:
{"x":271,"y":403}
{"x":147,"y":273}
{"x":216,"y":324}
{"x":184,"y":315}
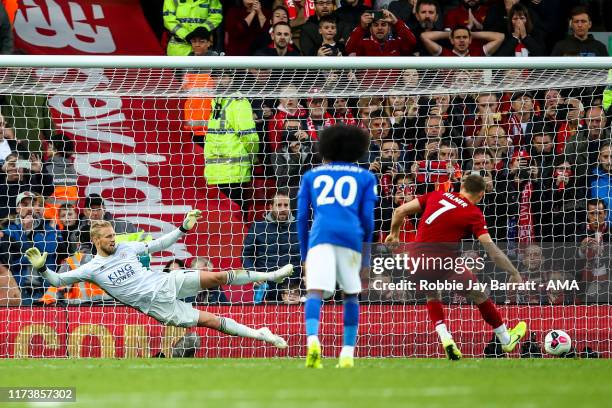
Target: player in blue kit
{"x":342,"y":197}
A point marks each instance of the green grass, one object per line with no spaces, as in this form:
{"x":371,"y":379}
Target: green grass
{"x":284,"y":383}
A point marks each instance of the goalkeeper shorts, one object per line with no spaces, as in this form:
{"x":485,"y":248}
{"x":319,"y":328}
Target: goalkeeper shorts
{"x":327,"y":264}
{"x":166,"y":306}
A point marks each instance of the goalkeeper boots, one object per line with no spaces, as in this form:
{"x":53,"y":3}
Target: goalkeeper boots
{"x":282,"y":273}
{"x":313,"y":356}
{"x":516,"y":334}
{"x":271,"y":338}
{"x":451,"y":350}
{"x":346,"y":362}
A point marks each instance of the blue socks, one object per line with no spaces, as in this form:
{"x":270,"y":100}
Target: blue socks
{"x":351,"y":320}
{"x":312,"y":311}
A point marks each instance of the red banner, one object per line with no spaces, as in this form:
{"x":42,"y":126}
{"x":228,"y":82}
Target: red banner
{"x":102,"y":27}
{"x":385,"y":331}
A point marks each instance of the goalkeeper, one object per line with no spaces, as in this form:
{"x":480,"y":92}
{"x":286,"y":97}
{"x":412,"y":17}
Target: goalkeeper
{"x":117,"y":270}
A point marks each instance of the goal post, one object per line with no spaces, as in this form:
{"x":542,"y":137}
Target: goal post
{"x":143,"y":140}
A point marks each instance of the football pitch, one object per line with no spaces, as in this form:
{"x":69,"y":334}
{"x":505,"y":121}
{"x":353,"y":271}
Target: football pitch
{"x":284,"y":383}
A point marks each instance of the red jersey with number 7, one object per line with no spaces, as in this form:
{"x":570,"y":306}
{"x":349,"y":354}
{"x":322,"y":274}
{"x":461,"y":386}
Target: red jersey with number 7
{"x":448,"y":218}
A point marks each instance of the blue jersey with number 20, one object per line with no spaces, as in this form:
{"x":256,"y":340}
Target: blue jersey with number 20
{"x":342,"y":197}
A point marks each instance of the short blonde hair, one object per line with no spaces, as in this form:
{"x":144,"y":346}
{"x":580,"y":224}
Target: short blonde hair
{"x":96,"y":226}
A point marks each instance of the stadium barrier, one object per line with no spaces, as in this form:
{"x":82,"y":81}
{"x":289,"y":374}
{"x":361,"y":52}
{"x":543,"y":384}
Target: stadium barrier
{"x":387,"y":331}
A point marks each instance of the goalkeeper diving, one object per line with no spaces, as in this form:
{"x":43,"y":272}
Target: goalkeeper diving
{"x":117,"y":270}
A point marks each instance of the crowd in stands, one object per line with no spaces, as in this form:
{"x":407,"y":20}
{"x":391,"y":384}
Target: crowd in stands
{"x":546,"y":155}
{"x":382,"y":28}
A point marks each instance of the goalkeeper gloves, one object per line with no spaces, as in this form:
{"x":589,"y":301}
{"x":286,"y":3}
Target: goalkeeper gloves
{"x":190,"y":220}
{"x":37,"y":259}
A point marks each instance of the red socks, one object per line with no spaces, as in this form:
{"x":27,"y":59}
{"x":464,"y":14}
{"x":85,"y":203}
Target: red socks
{"x":435,"y":311}
{"x":490,"y":314}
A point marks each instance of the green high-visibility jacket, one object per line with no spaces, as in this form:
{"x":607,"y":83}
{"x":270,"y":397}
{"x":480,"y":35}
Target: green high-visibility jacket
{"x":184,"y":16}
{"x":607,"y":96}
{"x":231,"y":142}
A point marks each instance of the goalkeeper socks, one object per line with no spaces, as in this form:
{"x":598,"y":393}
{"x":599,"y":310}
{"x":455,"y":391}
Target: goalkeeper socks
{"x":502,"y":334}
{"x":231,"y":327}
{"x":351,"y":321}
{"x":312,"y":314}
{"x":242,"y":277}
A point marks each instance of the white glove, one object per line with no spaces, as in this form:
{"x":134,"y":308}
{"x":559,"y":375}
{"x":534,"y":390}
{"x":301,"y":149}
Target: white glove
{"x":37,"y":259}
{"x":191,"y":218}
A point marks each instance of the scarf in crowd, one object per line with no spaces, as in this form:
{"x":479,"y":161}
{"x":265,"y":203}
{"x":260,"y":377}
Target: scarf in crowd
{"x":525,"y":221}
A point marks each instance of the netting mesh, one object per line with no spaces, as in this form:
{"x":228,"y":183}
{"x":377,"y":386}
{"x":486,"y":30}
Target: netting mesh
{"x":141,"y":147}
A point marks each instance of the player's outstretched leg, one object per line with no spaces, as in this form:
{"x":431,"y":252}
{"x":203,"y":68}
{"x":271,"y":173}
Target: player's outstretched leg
{"x":351,"y":325}
{"x":436,"y":314}
{"x":233,"y":328}
{"x":508,"y":338}
{"x":312,"y":312}
{"x":242,"y":277}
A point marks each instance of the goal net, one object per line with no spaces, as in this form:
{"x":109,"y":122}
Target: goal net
{"x":140,"y":145}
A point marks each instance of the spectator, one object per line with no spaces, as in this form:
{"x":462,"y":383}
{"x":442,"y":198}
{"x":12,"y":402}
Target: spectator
{"x":552,"y":100}
{"x":281,"y":43}
{"x":469,"y":13}
{"x":311,"y":37}
{"x":461,"y":38}
{"x":541,"y":150}
{"x":273,"y":242}
{"x":280,"y":14}
{"x":498,"y":143}
{"x":379,"y":127}
{"x":533,"y":268}
{"x":94,"y":210}
{"x":6,"y":33}
{"x":566,"y":193}
{"x":328,"y":32}
{"x":584,"y":149}
{"x":27,"y":230}
{"x":349,"y":13}
{"x":519,"y":201}
{"x":8,"y":144}
{"x":593,"y":236}
{"x":20,"y":175}
{"x":342,"y":112}
{"x":210,"y":296}
{"x":569,"y":116}
{"x":430,"y":134}
{"x":522,"y":118}
{"x":600,"y":181}
{"x":288,"y":108}
{"x":231,"y":143}
{"x":420,"y":16}
{"x":487,"y":114}
{"x":522,"y":38}
{"x":366,"y":105}
{"x":10,"y":295}
{"x":580,"y":42}
{"x":292,"y":295}
{"x":318,"y":118}
{"x":200,"y":40}
{"x":386,"y":166}
{"x":68,"y":226}
{"x":65,"y":177}
{"x":481,"y":163}
{"x":381,"y":42}
{"x":440,"y":169}
{"x":293,"y":159}
{"x":243,"y":24}
{"x":181,"y":18}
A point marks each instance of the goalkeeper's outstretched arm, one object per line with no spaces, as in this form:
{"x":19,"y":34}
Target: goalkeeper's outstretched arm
{"x":165,"y":241}
{"x":38,"y":262}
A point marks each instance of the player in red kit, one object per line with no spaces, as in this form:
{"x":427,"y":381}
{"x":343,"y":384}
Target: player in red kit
{"x":446,"y":219}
